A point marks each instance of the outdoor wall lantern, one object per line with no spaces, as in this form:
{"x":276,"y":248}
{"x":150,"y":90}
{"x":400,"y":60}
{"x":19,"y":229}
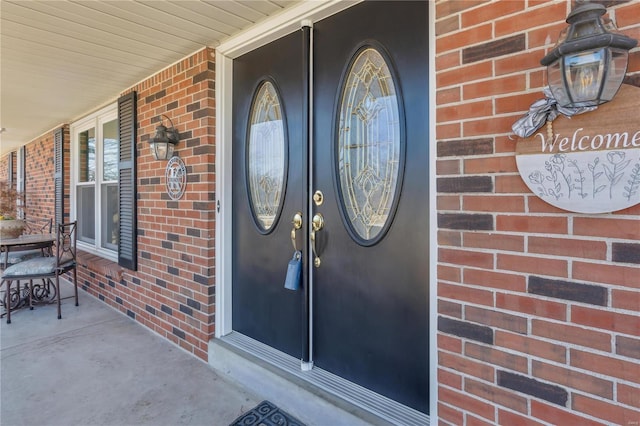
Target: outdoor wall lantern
{"x":164,"y":141}
{"x":589,"y":61}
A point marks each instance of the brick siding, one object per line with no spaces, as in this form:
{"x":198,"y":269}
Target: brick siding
{"x":39,"y":185}
{"x":538,"y":307}
{"x":172,"y":292}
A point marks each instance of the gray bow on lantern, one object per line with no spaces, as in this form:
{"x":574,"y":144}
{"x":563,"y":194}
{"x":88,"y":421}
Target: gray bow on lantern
{"x":544,"y":110}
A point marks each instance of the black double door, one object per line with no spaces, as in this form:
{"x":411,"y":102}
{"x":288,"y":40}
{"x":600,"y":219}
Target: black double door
{"x":361,"y":171}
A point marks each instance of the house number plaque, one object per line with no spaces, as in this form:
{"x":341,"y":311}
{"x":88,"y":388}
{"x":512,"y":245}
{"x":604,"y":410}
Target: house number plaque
{"x":176,"y":178}
{"x":589,"y":163}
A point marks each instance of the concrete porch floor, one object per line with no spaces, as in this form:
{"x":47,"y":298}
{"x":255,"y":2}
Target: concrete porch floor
{"x":97,"y":366}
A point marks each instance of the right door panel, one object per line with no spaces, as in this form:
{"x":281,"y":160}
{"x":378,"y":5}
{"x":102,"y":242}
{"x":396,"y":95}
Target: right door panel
{"x":371,"y":290}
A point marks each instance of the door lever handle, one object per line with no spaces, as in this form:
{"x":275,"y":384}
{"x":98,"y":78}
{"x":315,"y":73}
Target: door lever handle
{"x":317,"y":223}
{"x":297,"y":224}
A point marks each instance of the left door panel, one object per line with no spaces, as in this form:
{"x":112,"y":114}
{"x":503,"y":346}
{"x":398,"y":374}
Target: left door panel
{"x":268,"y":164}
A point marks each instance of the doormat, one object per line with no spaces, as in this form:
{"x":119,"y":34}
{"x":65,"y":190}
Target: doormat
{"x":266,"y":414}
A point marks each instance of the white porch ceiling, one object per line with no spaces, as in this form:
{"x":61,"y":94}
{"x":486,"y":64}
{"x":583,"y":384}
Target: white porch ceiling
{"x":61,"y":59}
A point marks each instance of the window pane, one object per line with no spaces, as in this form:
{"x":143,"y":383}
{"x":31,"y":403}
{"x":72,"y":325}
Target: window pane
{"x":87,"y":155}
{"x":110,"y":218}
{"x":110,"y":150}
{"x":368,"y":144}
{"x":266,"y":162}
{"x":86,"y":213}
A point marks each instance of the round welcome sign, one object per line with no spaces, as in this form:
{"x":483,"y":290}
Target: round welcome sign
{"x":591,"y":162}
{"x":176,"y":175}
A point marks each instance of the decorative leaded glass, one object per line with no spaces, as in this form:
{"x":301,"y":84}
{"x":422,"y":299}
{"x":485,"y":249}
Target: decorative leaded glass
{"x":368,"y":145}
{"x":266,"y":155}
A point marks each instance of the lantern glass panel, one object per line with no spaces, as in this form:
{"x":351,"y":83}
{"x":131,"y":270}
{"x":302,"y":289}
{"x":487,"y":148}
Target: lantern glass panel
{"x":556,"y":83}
{"x":169,"y":153}
{"x":162,"y":150}
{"x":583,"y":73}
{"x":615,"y":73}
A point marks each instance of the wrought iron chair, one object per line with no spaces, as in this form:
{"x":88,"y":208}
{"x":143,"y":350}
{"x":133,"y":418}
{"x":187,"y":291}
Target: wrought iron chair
{"x":47,"y":267}
{"x":18,"y":296}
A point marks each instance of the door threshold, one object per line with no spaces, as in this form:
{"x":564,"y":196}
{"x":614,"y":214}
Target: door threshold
{"x":355,"y":400}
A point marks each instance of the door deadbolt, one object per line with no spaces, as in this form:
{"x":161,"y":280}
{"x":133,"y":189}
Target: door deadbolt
{"x":318,"y":198}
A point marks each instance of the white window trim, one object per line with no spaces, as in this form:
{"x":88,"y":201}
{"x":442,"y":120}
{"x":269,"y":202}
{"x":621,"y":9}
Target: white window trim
{"x":96,"y":120}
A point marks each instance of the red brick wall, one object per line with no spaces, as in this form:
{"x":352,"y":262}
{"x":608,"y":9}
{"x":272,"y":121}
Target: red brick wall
{"x":39,"y":170}
{"x":538,"y":307}
{"x":172,"y":292}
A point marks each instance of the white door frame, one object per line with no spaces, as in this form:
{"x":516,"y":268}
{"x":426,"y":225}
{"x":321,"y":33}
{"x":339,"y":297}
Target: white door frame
{"x":272,"y":29}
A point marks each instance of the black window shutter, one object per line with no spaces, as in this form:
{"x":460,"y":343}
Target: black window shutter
{"x":127,"y":125}
{"x":10,"y":169}
{"x":58,"y":174}
{"x":23,"y":173}
{"x":22,"y":181}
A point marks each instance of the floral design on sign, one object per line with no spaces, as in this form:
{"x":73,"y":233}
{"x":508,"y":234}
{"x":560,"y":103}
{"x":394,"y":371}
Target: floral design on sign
{"x":566,"y":177}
